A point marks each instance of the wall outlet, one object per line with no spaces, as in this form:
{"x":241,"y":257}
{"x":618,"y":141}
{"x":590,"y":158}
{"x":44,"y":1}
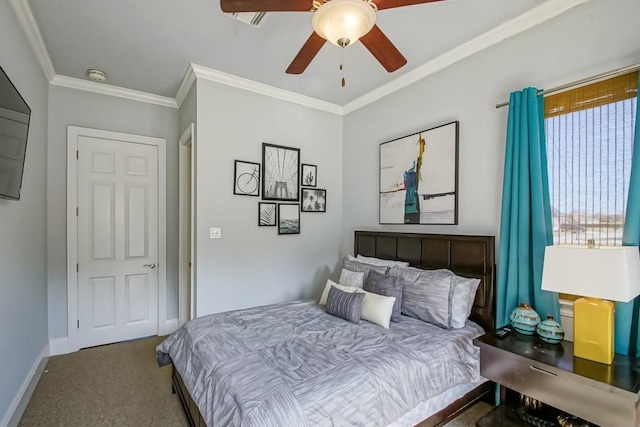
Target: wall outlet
{"x":215,"y":233}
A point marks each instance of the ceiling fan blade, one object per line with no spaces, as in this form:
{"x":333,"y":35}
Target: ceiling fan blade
{"x":388,"y":4}
{"x":383,"y":50}
{"x":266,"y":5}
{"x":306,"y":54}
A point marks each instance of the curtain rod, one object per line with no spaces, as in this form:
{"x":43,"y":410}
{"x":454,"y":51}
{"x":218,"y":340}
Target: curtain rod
{"x":601,"y":76}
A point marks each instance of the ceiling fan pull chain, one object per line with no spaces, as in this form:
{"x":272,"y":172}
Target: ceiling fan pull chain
{"x":342,"y":65}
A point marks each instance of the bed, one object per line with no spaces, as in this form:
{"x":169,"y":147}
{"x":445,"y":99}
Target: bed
{"x":470,"y":256}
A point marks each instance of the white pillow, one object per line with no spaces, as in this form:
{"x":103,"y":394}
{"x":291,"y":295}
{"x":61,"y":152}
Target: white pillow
{"x":330,"y":283}
{"x":378,"y":261}
{"x":351,"y":278}
{"x":377,"y":308}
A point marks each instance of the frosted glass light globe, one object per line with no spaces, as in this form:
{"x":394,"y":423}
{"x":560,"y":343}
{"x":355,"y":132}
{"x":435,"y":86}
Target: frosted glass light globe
{"x":343,"y":22}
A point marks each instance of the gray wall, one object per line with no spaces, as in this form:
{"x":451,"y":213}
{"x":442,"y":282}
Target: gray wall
{"x":253,"y":265}
{"x":23,"y":262}
{"x":595,"y":37}
{"x":86,"y":109}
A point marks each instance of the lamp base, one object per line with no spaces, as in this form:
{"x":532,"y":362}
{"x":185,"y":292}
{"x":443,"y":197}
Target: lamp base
{"x":593,"y":329}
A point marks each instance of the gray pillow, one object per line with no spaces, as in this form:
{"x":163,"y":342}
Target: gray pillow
{"x":389,"y":286}
{"x":429,"y":297}
{"x":364,"y":267}
{"x":464,"y":294}
{"x":345,"y":304}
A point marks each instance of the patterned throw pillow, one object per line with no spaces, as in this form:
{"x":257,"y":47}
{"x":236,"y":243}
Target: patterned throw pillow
{"x":327,"y":287}
{"x":429,"y":297}
{"x":389,"y":286}
{"x":363,"y":267}
{"x":345,"y":305}
{"x":352,"y":278}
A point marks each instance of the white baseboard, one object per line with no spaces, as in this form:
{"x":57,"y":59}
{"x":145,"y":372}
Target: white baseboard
{"x":170,"y":326}
{"x":59,"y":346}
{"x":19,"y":404}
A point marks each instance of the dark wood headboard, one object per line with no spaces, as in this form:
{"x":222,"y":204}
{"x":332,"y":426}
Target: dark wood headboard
{"x":468,"y":256}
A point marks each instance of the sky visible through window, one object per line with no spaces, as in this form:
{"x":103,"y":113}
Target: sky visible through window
{"x":589,"y":160}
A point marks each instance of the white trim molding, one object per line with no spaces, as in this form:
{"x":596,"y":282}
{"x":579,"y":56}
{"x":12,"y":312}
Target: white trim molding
{"x":533,"y":17}
{"x":263,"y":89}
{"x":58,"y":346}
{"x":120,"y":92}
{"x":186,"y":216}
{"x":187,"y":82}
{"x":169,"y":327}
{"x":545,"y":11}
{"x":19,"y":403}
{"x":73,"y":132}
{"x":30,"y":27}
{"x":566,"y":308}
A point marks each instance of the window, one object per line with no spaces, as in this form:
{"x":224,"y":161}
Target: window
{"x":589,"y":133}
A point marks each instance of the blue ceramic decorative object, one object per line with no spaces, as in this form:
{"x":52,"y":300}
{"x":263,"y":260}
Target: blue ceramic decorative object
{"x":524,"y":319}
{"x":550,"y":331}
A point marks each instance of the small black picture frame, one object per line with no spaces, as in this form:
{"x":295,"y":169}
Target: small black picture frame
{"x":246,"y":181}
{"x":313,"y":200}
{"x":267,"y":214}
{"x":309,"y":175}
{"x":289,"y":218}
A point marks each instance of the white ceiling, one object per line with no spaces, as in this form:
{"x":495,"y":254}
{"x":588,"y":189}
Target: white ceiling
{"x":147,"y":45}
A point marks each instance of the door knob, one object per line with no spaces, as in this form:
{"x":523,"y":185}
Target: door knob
{"x":152,"y":266}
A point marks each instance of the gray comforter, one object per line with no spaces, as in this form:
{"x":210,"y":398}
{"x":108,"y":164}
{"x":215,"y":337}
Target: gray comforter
{"x":291,"y":364}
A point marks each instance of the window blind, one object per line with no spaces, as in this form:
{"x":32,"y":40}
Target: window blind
{"x":589,"y":133}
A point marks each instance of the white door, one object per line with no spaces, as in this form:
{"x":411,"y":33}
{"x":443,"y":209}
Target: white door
{"x":117,"y":240}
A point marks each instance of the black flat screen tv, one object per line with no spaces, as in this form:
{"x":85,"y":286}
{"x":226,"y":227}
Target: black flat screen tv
{"x":15,"y":115}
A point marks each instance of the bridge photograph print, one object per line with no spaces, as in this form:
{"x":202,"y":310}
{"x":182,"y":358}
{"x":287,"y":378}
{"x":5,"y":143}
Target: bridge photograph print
{"x":281,"y":170}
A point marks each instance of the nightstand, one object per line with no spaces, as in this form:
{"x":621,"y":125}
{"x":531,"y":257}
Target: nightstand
{"x":602,"y":394}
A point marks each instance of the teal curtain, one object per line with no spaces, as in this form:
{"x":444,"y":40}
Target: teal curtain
{"x":525,"y":224}
{"x":626,"y":321}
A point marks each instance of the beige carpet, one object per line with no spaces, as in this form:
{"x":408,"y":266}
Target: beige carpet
{"x":111,"y":385}
{"x":121,"y":385}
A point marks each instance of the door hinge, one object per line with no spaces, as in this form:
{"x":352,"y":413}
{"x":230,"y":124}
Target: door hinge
{"x":77,"y":268}
{"x":78,"y":323}
{"x":77,"y":155}
{"x":77,"y":210}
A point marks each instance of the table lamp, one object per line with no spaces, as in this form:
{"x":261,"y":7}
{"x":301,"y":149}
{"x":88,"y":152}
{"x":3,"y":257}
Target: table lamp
{"x":600,"y":275}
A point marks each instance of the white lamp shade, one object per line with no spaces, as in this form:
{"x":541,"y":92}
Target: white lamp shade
{"x":611,"y":273}
{"x":343,"y":19}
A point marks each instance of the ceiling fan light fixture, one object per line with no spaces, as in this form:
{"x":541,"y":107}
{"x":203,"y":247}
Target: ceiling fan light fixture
{"x":343,"y":22}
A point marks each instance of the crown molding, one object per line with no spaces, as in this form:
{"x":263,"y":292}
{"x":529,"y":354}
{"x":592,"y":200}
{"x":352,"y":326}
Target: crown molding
{"x":30,"y":27}
{"x":120,"y":92}
{"x":187,"y":81}
{"x":536,"y":16}
{"x":263,"y":89}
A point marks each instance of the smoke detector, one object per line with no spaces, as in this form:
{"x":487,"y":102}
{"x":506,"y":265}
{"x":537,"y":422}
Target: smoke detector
{"x":96,"y":76}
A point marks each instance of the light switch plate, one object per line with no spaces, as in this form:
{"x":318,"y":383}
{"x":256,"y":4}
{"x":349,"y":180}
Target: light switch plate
{"x":215,"y":232}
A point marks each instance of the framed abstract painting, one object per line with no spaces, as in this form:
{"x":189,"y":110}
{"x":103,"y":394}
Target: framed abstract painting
{"x":281,"y":171}
{"x":419,"y":177}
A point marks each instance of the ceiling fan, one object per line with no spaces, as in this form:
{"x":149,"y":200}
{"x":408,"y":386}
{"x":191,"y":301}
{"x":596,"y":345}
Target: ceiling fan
{"x":341,"y":22}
